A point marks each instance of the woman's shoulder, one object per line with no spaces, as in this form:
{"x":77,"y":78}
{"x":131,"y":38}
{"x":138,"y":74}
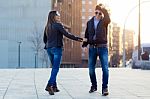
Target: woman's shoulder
{"x":58,"y":24}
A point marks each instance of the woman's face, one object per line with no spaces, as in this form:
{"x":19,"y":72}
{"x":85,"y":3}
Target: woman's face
{"x":57,"y":18}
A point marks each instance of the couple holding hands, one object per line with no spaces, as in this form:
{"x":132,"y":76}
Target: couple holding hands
{"x":95,"y":36}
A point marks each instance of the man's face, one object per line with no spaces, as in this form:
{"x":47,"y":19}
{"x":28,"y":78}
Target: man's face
{"x":98,"y":13}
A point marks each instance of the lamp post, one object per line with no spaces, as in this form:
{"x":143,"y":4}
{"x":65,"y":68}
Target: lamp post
{"x":139,"y":33}
{"x":35,"y":60}
{"x":19,"y":44}
{"x":123,"y":37}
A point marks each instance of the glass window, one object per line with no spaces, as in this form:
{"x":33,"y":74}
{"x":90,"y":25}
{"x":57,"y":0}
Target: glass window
{"x":83,"y":17}
{"x":90,"y":2}
{"x":90,"y":17}
{"x":90,"y":10}
{"x":83,"y":25}
{"x":83,"y":2}
{"x":83,"y":10}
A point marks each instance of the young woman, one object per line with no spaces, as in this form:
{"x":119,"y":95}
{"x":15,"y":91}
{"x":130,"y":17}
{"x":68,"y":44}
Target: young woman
{"x":53,"y":39}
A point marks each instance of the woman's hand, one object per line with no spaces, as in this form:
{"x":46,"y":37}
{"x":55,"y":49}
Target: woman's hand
{"x":80,"y":39}
{"x":84,"y":39}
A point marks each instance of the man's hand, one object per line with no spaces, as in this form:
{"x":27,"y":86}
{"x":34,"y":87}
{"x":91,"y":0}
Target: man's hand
{"x":84,"y":39}
{"x":85,"y":49}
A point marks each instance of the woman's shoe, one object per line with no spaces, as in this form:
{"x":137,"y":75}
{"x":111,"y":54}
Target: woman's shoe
{"x":50,"y":89}
{"x":55,"y":89}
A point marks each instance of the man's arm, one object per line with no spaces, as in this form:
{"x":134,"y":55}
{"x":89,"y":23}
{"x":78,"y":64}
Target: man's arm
{"x":106,"y":17}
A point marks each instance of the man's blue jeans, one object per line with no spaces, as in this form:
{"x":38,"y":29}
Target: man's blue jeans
{"x":102,"y":52}
{"x":55,"y":55}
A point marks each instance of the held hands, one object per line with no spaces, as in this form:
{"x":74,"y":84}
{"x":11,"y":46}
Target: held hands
{"x":82,"y":39}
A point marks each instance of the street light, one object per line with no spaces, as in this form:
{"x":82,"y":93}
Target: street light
{"x":19,"y":43}
{"x":139,"y":34}
{"x":139,"y":39}
{"x":35,"y":58}
{"x":123,"y":37}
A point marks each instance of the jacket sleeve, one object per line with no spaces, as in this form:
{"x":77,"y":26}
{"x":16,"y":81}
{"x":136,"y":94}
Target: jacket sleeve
{"x":86,"y":36}
{"x":86,"y":32}
{"x":106,"y":17}
{"x":45,"y":36}
{"x":67,"y":34}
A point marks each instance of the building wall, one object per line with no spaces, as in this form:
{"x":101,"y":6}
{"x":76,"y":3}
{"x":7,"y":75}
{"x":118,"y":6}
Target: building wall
{"x":17,"y":23}
{"x":115,"y":47}
{"x":129,"y":38}
{"x":70,"y":11}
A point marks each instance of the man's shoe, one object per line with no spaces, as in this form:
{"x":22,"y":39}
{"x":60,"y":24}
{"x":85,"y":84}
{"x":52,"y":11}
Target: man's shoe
{"x":55,"y":89}
{"x":50,"y":89}
{"x":105,"y":92}
{"x":93,"y":88}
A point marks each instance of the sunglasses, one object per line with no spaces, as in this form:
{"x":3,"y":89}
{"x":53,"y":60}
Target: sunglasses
{"x":98,"y":13}
{"x":57,"y":13}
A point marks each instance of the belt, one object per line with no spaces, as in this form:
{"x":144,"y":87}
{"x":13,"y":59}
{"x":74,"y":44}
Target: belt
{"x":98,"y":45}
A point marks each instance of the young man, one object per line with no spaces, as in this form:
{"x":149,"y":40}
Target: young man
{"x":96,"y":35}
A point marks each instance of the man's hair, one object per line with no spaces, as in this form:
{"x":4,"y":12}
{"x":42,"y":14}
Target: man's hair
{"x":98,"y":7}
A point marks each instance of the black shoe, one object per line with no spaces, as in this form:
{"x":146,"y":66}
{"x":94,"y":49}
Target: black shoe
{"x":50,"y":89}
{"x":55,"y":89}
{"x":93,"y":88}
{"x":105,"y":92}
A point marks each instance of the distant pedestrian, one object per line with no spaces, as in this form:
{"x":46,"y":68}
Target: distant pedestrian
{"x":96,"y":34}
{"x":145,"y":56}
{"x":53,"y":39}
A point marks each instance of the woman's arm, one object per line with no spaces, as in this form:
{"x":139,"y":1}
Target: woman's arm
{"x":45,"y":36}
{"x":67,"y":34}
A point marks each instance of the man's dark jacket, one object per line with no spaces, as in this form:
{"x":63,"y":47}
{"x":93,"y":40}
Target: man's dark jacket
{"x":101,"y":31}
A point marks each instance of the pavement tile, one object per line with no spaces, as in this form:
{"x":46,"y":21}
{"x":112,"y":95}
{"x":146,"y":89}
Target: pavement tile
{"x":74,"y":83}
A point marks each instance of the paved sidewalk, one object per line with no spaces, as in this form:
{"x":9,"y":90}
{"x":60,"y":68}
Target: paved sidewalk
{"x":125,"y":83}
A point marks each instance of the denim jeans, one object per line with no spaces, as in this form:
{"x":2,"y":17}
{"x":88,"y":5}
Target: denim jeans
{"x":102,"y":52}
{"x":55,"y":55}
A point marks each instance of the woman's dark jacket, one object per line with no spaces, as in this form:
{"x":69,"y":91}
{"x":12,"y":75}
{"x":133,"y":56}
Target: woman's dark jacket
{"x":101,"y":31}
{"x":53,"y":35}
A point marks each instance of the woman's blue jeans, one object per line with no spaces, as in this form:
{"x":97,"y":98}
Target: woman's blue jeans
{"x":55,"y":55}
{"x":102,"y":52}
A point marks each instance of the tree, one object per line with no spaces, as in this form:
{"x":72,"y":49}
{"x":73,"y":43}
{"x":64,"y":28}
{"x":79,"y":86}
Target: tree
{"x":44,"y":58}
{"x":37,"y":44}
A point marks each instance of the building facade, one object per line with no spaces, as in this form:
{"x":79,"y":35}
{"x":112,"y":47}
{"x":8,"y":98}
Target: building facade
{"x":19,"y":21}
{"x":70,"y":11}
{"x":115,"y":45}
{"x":129,"y":39}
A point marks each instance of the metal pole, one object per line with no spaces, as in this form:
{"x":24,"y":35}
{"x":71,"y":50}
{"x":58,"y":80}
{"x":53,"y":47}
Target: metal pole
{"x":19,"y":54}
{"x":139,"y":37}
{"x":139,"y":34}
{"x":35,"y":60}
{"x":124,"y":50}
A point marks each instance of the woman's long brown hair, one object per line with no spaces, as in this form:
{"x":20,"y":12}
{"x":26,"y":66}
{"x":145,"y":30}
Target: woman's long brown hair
{"x":51,"y":19}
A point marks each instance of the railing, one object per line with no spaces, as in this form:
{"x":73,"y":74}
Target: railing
{"x":141,"y":65}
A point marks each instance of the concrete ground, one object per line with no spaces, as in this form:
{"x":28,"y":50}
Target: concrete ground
{"x":74,"y":83}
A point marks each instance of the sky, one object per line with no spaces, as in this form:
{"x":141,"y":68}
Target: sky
{"x":125,"y":12}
